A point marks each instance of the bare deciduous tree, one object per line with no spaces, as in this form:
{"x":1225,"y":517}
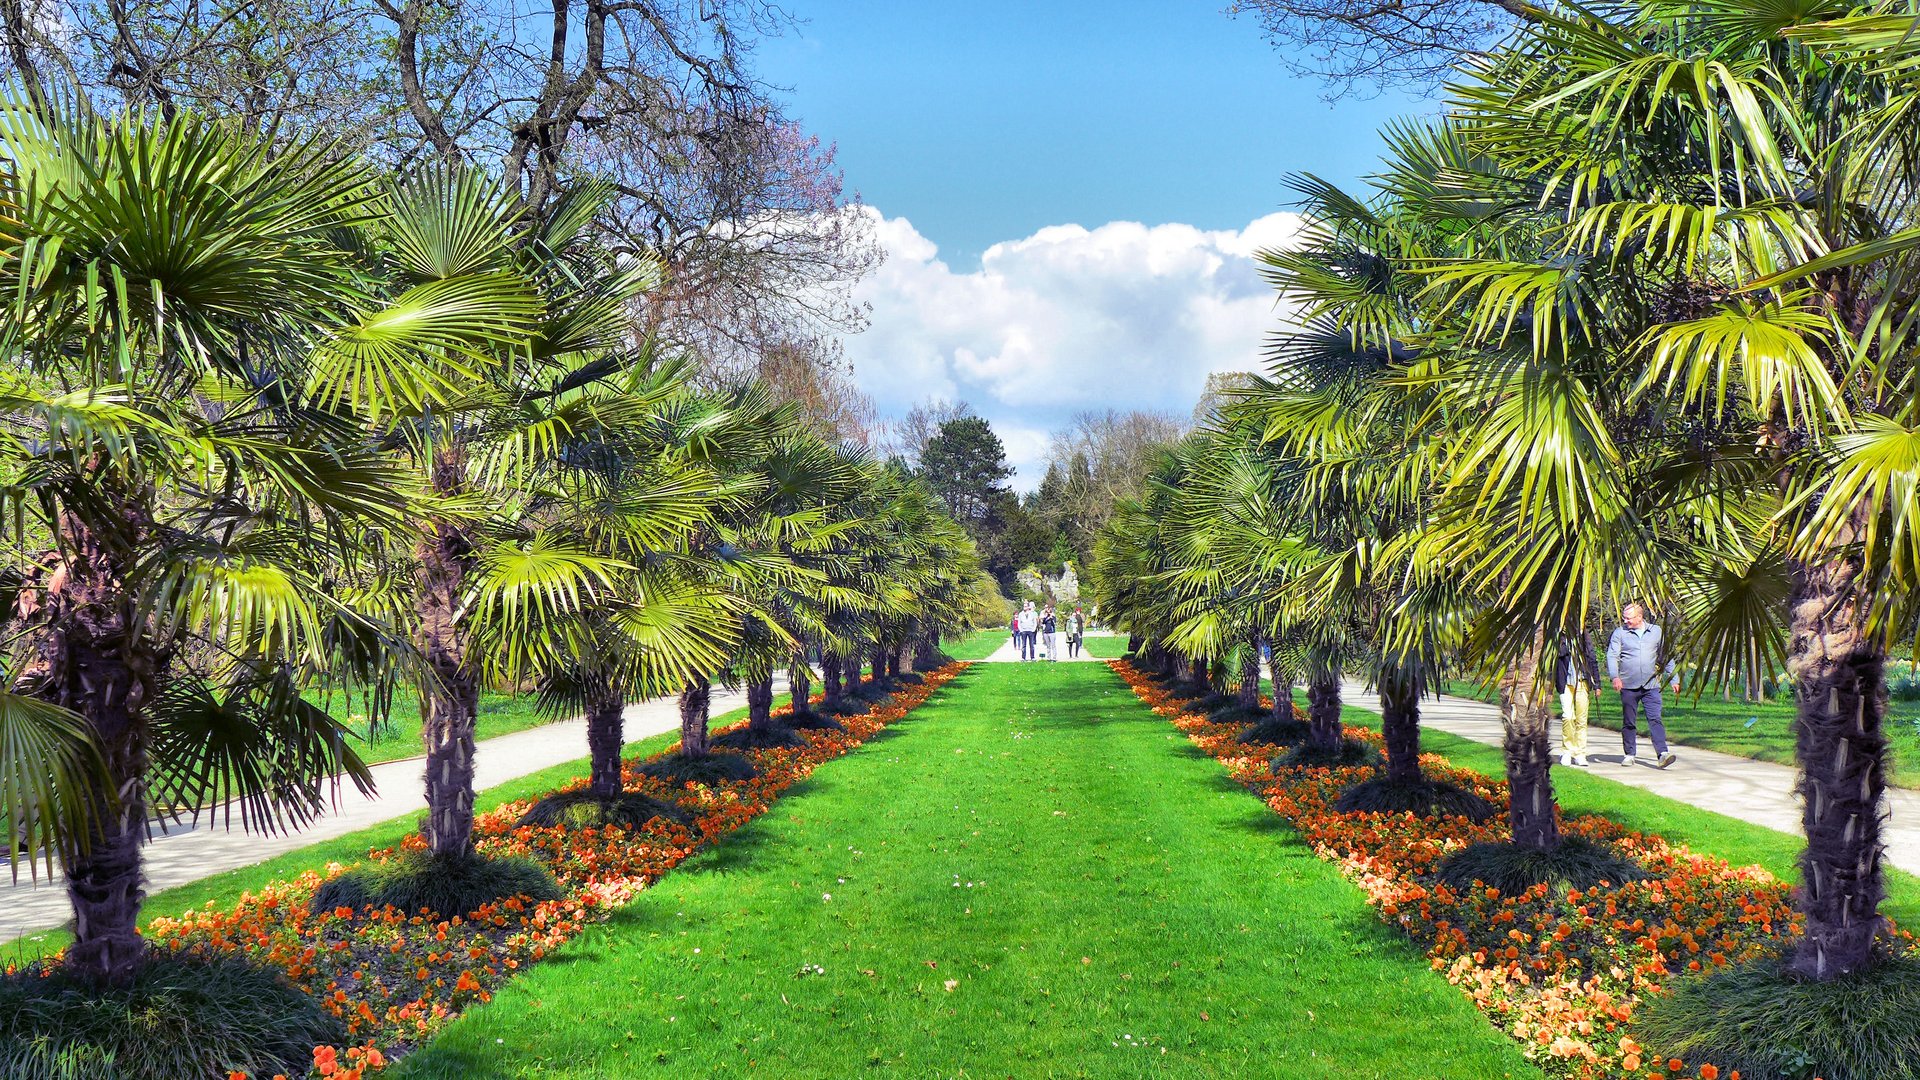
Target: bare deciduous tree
{"x":1364,"y":45}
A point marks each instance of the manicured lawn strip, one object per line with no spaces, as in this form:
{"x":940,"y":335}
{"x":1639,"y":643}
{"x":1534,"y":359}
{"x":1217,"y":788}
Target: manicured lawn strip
{"x":1759,"y":730}
{"x":500,"y":714}
{"x":1581,"y":792}
{"x":1105,"y":648}
{"x":224,"y":889}
{"x":1031,"y":875}
{"x":1561,"y":970}
{"x":977,"y":645}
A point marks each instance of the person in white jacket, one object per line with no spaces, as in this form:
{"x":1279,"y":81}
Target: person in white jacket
{"x":1029,"y":623}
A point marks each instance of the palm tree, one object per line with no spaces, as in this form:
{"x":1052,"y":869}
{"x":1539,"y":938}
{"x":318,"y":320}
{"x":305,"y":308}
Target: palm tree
{"x":1765,"y":211}
{"x":183,"y":486}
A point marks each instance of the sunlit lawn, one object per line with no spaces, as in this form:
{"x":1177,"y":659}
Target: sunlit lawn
{"x":1030,"y":876}
{"x":1760,"y":730}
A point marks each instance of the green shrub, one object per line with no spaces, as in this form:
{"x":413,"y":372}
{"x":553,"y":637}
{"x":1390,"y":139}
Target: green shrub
{"x":709,"y":769}
{"x":584,"y":809}
{"x":1209,"y":703}
{"x":1576,"y":863}
{"x":1772,"y":1025}
{"x":1422,"y":798}
{"x":1348,"y":753}
{"x":774,"y":736}
{"x":813,"y":721}
{"x":1276,"y":731}
{"x":846,"y":706}
{"x":447,"y":886}
{"x":179,"y":1018}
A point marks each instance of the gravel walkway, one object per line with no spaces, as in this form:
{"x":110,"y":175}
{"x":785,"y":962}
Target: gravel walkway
{"x":188,"y":851}
{"x":1760,"y":792}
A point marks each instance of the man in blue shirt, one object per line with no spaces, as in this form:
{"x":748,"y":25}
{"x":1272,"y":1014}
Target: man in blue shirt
{"x":1634,"y":663}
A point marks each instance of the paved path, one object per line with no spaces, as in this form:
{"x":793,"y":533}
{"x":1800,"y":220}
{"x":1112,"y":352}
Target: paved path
{"x":1007,"y":654}
{"x":1760,"y":792}
{"x":188,"y":851}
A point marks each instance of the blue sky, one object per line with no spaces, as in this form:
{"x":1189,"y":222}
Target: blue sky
{"x":1070,"y":194}
{"x":986,"y":121}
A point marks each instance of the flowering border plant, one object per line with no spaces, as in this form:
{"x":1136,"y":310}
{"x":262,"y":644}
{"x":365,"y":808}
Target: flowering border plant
{"x":1560,"y":971}
{"x":396,"y":978}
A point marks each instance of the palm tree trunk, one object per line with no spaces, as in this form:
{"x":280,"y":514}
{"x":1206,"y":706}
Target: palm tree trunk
{"x":1249,"y":694}
{"x":1840,"y":694}
{"x":1282,"y":693}
{"x":450,"y":695}
{"x":606,"y":735}
{"x":800,"y":682}
{"x":1529,"y":753}
{"x":693,"y":717}
{"x":852,"y":673}
{"x":893,"y":662}
{"x":878,"y":669}
{"x":1323,"y":709}
{"x":830,"y":678}
{"x":1400,"y":721}
{"x":927,"y":654}
{"x":760,"y":703}
{"x":86,"y":653}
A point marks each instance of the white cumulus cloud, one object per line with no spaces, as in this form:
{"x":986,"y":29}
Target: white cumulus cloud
{"x":1125,"y":315}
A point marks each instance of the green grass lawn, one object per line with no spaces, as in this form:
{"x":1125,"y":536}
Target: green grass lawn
{"x":1583,"y":792}
{"x":500,"y":714}
{"x":1106,"y":648}
{"x":1759,"y":730}
{"x":225,"y":888}
{"x":977,"y":645}
{"x":1030,"y":876}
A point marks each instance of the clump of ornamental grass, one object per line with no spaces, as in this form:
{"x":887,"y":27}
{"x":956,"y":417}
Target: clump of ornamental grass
{"x":445,"y":885}
{"x":586,"y":809}
{"x":846,"y":706}
{"x":1347,"y":753}
{"x":712,"y":770}
{"x":1576,"y":862}
{"x":1422,"y":798}
{"x":1209,"y":703}
{"x":774,"y":736}
{"x":1271,"y":730}
{"x":809,"y":720}
{"x":179,"y":1017}
{"x":1770,"y":1024}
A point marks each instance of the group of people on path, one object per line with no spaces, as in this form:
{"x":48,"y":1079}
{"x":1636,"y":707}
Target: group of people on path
{"x":1637,"y":664}
{"x":1029,"y":627}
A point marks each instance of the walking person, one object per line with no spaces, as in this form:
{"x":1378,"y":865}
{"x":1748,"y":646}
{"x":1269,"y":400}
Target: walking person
{"x":1635,"y":655}
{"x":1576,"y":674}
{"x":1028,"y":621}
{"x":1076,"y":630}
{"x":1050,"y":625}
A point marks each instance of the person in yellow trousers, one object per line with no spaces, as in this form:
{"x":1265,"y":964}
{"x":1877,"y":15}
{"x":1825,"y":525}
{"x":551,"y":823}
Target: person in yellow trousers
{"x":1576,"y":674}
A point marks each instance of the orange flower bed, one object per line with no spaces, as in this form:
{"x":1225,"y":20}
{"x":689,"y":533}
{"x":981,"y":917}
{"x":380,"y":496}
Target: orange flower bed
{"x":1561,"y":974}
{"x":396,"y":978}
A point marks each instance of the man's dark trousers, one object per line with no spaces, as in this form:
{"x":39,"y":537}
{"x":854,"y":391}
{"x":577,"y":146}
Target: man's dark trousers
{"x":1647,"y":701}
{"x":1026,"y":643}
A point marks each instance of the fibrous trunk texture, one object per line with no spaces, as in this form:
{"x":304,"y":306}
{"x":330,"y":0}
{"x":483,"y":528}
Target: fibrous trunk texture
{"x":606,"y":734}
{"x":893,"y":661}
{"x":800,"y":683}
{"x":877,"y":665}
{"x":852,"y":674}
{"x":450,"y":698}
{"x":830,"y":678}
{"x":1323,"y":709}
{"x":1282,"y":693}
{"x":927,"y":656}
{"x":1840,"y":689}
{"x":693,"y":717}
{"x":1249,"y":693}
{"x":1529,"y":754}
{"x":760,"y":703}
{"x":86,"y":653}
{"x":1400,"y":721}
